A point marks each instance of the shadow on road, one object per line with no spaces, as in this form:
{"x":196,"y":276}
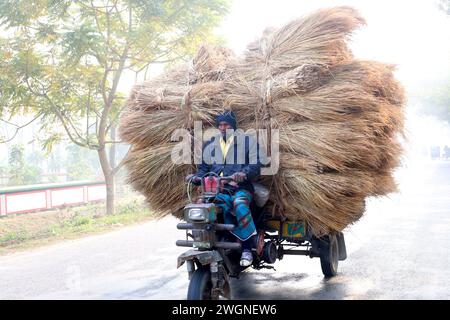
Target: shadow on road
{"x":273,"y":286}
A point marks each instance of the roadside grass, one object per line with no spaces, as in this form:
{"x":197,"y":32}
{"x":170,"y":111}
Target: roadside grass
{"x":25,"y":231}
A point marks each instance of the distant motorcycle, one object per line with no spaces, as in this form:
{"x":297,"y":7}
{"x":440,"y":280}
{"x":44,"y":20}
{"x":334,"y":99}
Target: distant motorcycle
{"x":216,"y":254}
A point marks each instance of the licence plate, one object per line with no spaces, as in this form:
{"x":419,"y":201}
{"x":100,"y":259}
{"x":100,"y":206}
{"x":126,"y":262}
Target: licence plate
{"x":293,"y":229}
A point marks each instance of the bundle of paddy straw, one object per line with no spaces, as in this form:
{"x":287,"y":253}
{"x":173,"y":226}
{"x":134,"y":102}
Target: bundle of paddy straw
{"x":338,"y":119}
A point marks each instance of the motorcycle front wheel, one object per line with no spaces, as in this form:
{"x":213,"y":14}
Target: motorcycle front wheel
{"x":200,"y":286}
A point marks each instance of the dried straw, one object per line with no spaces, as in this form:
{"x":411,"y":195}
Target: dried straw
{"x":339,"y":119}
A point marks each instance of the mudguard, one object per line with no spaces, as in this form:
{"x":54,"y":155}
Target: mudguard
{"x":204,"y":257}
{"x":341,"y":246}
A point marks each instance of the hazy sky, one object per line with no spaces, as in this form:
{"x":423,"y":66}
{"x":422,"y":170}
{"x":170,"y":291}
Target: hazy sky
{"x":414,"y":35}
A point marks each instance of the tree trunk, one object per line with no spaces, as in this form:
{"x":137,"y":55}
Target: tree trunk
{"x":112,"y":156}
{"x":112,"y":149}
{"x":108,"y":169}
{"x":109,"y":180}
{"x":110,"y":193}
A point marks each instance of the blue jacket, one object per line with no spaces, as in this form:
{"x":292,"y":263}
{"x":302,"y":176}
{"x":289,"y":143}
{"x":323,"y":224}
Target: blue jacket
{"x":242,"y":156}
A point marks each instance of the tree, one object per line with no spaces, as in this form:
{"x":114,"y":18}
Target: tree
{"x":54,"y":166}
{"x":77,"y":163}
{"x":20,"y":172}
{"x":16,"y":163}
{"x":63,"y":61}
{"x":433,"y":97}
{"x":444,"y":5}
{"x":3,"y":175}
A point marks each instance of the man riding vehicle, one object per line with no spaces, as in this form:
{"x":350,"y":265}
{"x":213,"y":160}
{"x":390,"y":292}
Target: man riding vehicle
{"x":232,"y":154}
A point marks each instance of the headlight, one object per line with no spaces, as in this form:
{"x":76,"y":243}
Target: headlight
{"x":197,"y":214}
{"x":200,"y":212}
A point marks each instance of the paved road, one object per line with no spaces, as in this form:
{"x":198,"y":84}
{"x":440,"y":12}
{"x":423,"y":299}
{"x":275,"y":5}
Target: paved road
{"x":399,"y":250}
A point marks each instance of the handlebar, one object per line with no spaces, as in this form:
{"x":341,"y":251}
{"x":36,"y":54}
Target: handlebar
{"x":227,"y":178}
{"x":211,"y":184}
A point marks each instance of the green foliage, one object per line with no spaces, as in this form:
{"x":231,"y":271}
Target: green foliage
{"x":20,"y":172}
{"x":63,"y":59}
{"x":434,"y":98}
{"x":444,"y":5}
{"x":55,"y":164}
{"x":16,"y":163}
{"x":35,"y":158}
{"x":32,"y":174}
{"x":71,"y":222}
{"x":77,"y":164}
{"x":12,"y":237}
{"x":80,"y":221}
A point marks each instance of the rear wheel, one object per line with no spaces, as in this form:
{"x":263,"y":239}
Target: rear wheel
{"x":329,"y":255}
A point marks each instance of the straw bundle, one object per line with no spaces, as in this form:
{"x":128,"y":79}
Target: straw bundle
{"x":156,"y":108}
{"x":338,"y":119}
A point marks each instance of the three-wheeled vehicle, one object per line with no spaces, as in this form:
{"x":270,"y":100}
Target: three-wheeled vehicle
{"x":216,"y":252}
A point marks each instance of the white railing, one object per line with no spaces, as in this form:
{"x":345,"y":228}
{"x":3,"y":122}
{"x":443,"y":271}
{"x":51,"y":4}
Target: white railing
{"x":41,"y":197}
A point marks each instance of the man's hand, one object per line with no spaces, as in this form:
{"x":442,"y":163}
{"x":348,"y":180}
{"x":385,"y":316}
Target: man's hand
{"x":233,"y":184}
{"x":239,"y":176}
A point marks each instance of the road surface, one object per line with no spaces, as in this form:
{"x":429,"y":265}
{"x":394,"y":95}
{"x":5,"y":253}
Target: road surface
{"x":400,"y":249}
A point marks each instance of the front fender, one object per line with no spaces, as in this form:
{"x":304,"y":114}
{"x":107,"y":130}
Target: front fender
{"x":204,"y":257}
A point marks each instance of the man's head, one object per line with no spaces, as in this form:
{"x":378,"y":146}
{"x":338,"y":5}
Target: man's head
{"x":226,"y":120}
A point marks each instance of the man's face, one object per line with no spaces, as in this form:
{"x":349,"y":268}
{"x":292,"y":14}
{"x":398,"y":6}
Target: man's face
{"x":223,"y":127}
